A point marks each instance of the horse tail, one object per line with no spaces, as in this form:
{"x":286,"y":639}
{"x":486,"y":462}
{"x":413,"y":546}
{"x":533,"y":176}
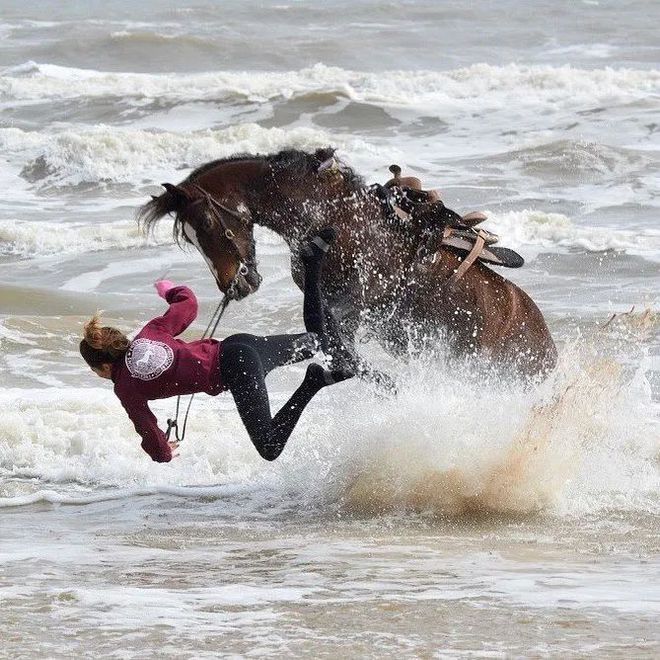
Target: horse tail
{"x":150,"y":213}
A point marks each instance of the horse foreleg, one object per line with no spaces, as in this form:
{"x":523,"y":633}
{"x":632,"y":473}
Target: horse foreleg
{"x":340,"y":338}
{"x":344,"y":355}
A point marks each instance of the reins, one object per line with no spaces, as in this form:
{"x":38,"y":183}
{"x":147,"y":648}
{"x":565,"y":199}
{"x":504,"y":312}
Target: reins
{"x":242,"y":269}
{"x":174,"y":423}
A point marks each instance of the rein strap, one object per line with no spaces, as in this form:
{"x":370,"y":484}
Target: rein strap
{"x":174,"y":423}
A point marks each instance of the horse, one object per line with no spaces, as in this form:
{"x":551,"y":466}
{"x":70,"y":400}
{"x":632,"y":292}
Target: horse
{"x":373,"y":276}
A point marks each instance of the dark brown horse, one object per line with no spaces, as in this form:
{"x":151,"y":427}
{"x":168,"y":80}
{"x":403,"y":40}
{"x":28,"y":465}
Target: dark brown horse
{"x":373,"y":276}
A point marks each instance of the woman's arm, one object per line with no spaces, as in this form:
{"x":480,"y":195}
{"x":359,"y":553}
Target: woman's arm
{"x":154,"y":441}
{"x":182,"y":310}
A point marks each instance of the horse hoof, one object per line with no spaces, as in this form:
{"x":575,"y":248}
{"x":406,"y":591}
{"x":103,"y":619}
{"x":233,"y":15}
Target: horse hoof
{"x":385,"y":384}
{"x":328,"y":235}
{"x":319,"y":245}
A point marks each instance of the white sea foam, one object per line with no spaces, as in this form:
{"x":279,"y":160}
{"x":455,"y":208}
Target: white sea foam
{"x":586,"y":441}
{"x":10,"y":494}
{"x":525,"y":84}
{"x":549,"y":231}
{"x":111,"y":155}
{"x":26,"y":238}
{"x":84,"y":436}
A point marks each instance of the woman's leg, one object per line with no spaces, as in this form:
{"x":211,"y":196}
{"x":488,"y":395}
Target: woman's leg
{"x":243,"y":372}
{"x":278,"y":350}
{"x":246,"y":359}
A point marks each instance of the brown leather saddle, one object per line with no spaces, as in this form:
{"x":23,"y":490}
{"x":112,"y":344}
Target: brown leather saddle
{"x":444,"y":227}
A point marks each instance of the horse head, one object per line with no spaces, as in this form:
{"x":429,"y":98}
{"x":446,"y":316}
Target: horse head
{"x":224,"y":236}
{"x":211,"y":206}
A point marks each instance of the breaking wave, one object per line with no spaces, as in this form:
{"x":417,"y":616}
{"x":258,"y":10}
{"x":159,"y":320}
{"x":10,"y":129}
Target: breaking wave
{"x":531,"y":228}
{"x":573,"y":162}
{"x":513,"y":82}
{"x":126,"y":156}
{"x":26,"y":238}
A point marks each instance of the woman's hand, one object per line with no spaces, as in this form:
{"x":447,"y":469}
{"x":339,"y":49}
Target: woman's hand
{"x":163,"y":286}
{"x":174,"y":445}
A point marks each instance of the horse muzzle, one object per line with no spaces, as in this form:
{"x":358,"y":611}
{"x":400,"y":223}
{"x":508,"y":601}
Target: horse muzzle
{"x":244,"y":284}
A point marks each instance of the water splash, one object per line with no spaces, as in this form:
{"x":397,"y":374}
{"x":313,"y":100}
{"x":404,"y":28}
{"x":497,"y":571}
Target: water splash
{"x":451,"y":446}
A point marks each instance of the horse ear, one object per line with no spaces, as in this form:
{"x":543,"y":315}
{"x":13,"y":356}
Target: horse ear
{"x":177,"y":191}
{"x":326,"y":160}
{"x":330,"y":164}
{"x":324,"y":154}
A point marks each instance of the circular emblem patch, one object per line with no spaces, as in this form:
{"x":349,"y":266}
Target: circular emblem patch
{"x":148,"y":359}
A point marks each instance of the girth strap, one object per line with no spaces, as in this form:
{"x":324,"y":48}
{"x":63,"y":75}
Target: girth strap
{"x":468,"y":261}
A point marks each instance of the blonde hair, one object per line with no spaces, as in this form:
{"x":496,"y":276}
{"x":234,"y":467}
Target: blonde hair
{"x":102,"y":344}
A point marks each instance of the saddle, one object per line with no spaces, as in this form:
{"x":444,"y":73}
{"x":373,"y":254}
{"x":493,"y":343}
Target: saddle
{"x":442,"y":226}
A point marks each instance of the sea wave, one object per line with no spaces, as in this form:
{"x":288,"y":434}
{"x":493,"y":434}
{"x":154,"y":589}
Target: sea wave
{"x":25,"y":238}
{"x":575,"y":162}
{"x":520,"y":84}
{"x":13,"y":494}
{"x":534,"y":228}
{"x":108,"y":155}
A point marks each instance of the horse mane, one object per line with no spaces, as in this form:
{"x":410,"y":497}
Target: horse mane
{"x":304,"y":163}
{"x":295,"y":162}
{"x":205,"y":167}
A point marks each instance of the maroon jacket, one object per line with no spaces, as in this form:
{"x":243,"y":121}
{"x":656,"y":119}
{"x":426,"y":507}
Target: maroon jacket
{"x":157,"y":366}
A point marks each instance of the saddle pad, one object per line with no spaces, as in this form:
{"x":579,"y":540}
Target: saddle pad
{"x":471,"y":235}
{"x":497,"y":256}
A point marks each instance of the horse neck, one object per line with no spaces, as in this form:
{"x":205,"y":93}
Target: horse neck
{"x":372,"y":243}
{"x":293,"y":216}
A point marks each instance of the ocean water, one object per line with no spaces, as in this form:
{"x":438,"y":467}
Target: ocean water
{"x":465,"y":517}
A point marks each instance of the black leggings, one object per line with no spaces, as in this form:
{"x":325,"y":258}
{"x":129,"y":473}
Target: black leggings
{"x":247,"y":359}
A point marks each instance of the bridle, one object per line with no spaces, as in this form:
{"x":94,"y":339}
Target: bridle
{"x":244,"y":261}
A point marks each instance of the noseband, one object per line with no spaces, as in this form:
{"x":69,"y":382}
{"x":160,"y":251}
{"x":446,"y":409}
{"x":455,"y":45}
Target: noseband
{"x":244,"y":262}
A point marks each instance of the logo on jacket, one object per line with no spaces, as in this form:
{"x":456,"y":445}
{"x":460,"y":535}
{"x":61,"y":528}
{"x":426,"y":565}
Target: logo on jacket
{"x":147,"y":359}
